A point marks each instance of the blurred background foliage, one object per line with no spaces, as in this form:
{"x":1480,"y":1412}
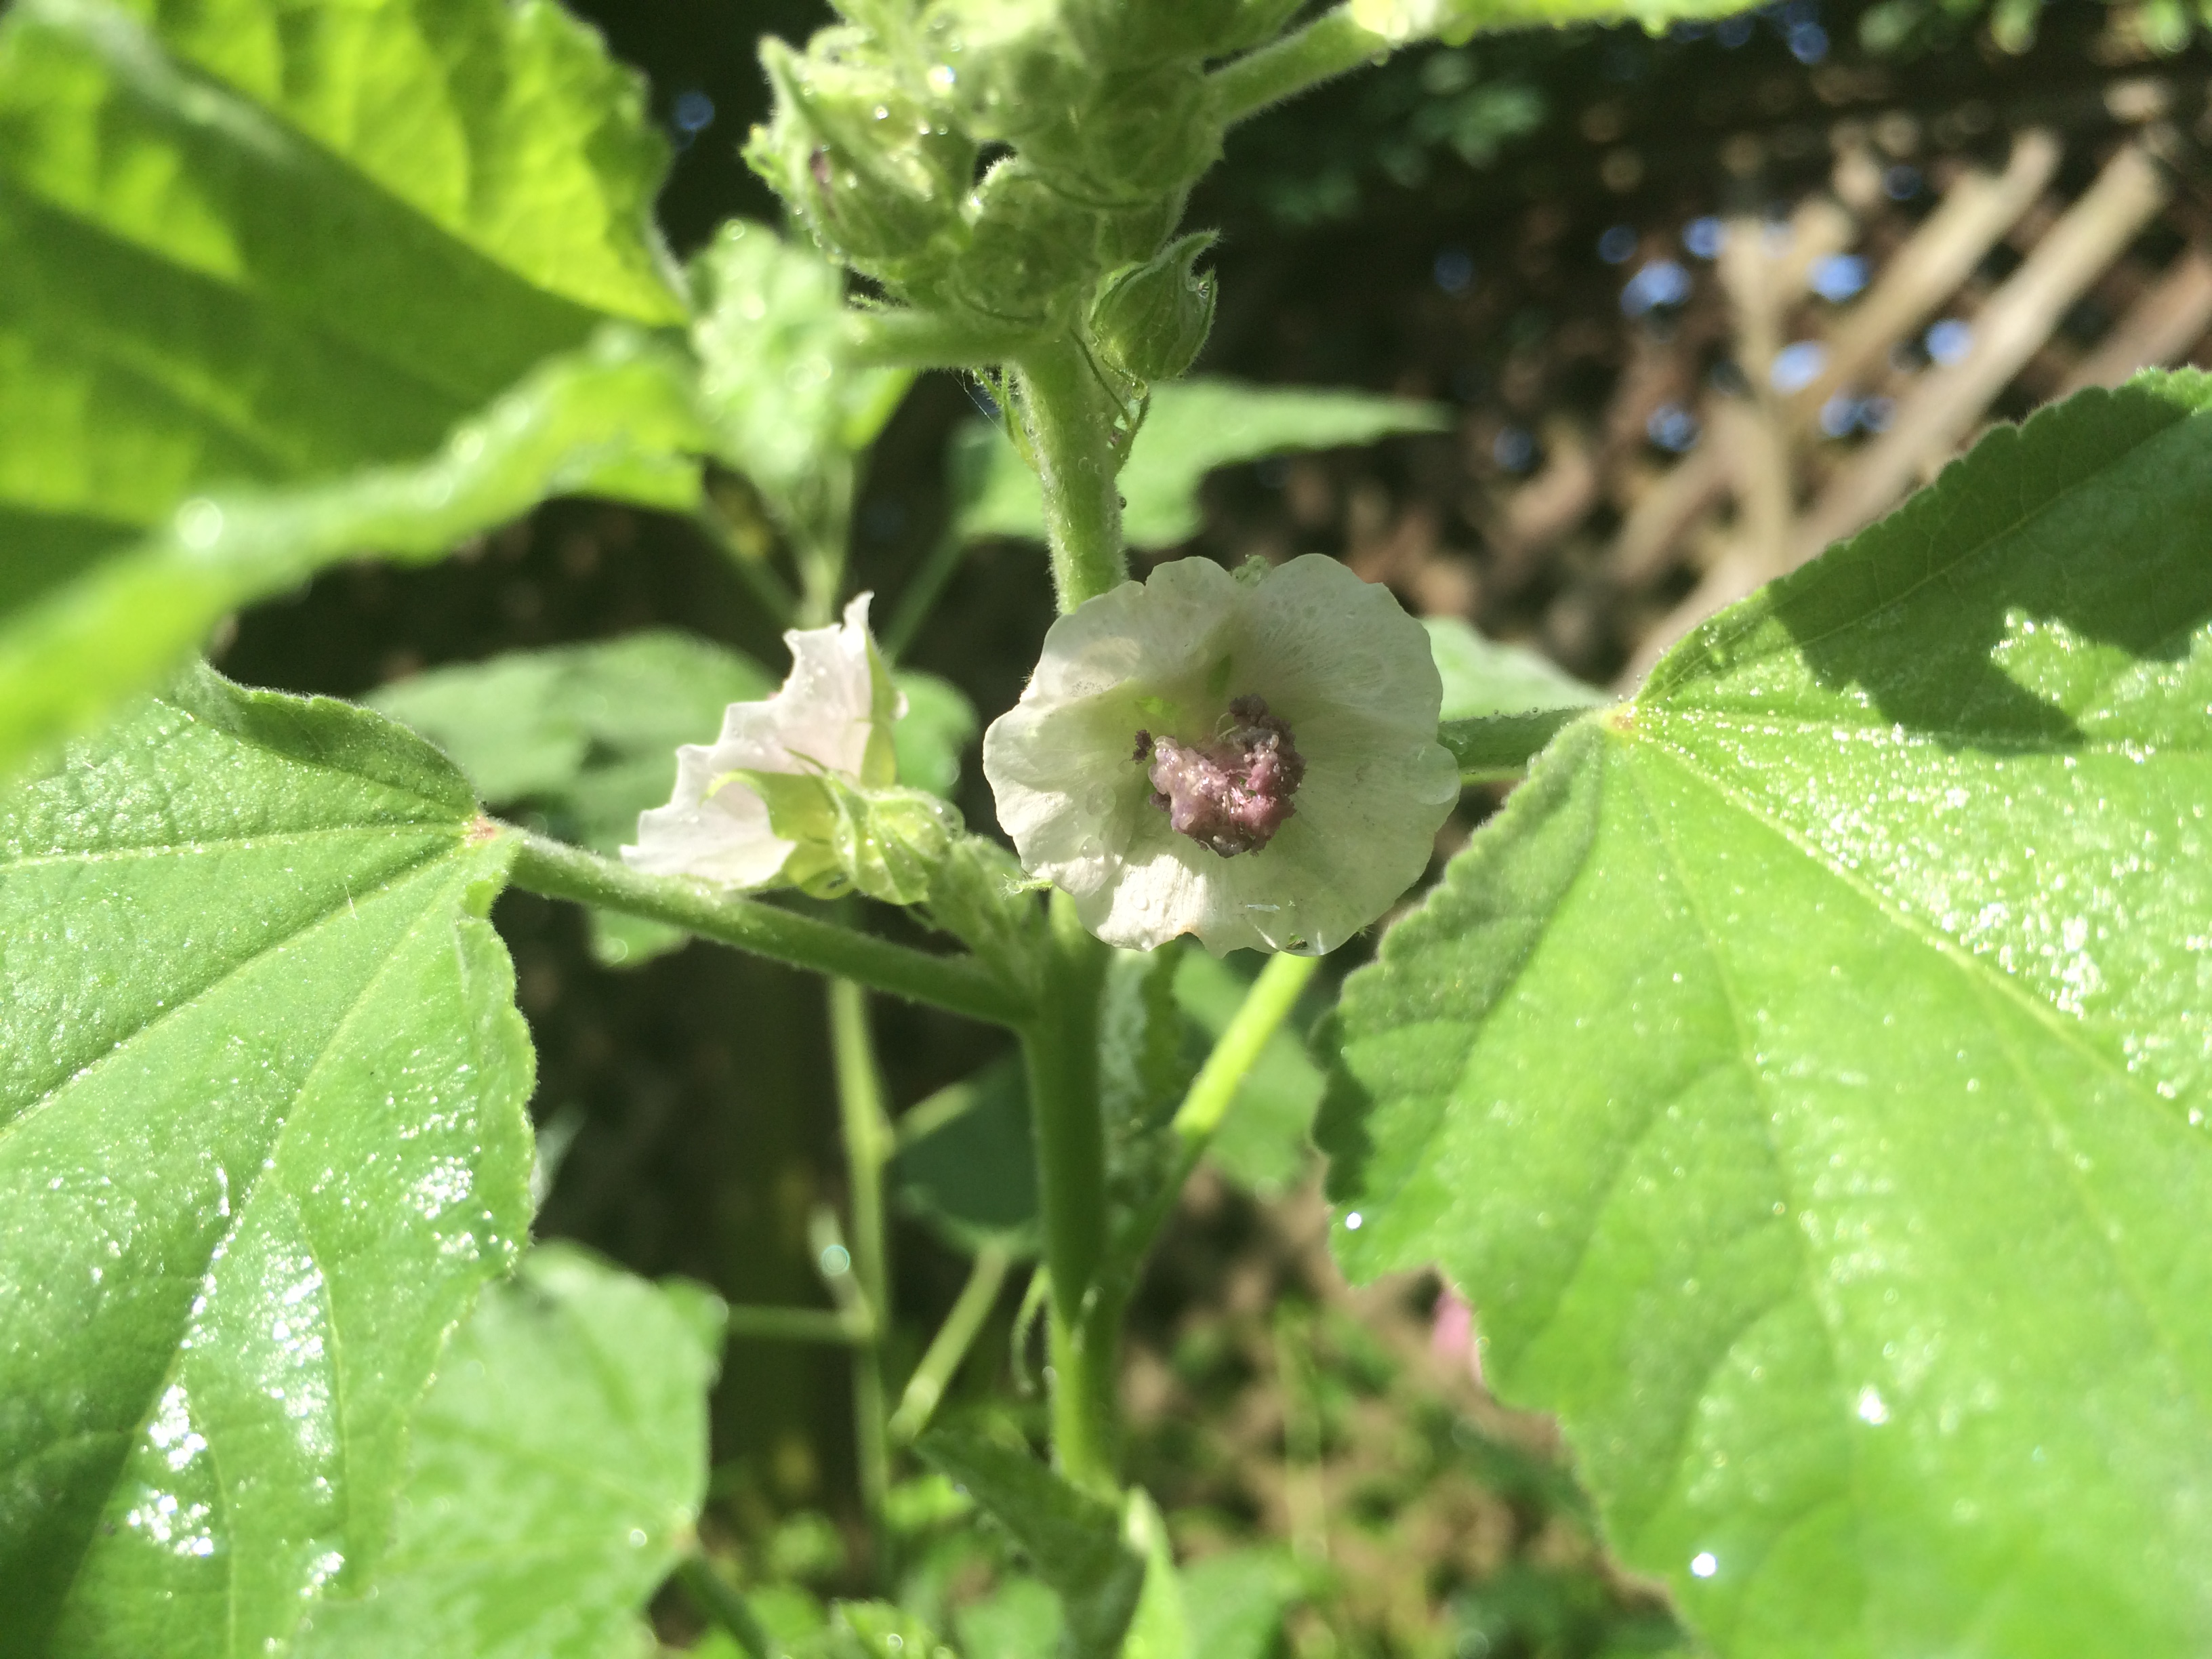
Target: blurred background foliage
{"x":1532,"y":232}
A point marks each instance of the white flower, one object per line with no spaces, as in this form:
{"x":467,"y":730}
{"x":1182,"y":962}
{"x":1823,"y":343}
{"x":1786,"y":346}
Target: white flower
{"x":1254,"y":761}
{"x":832,"y":718}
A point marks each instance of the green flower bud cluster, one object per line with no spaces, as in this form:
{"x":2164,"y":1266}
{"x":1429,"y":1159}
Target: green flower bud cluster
{"x":1017,"y":164}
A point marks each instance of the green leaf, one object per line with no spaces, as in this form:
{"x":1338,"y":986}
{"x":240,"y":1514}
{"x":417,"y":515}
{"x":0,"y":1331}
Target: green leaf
{"x":262,"y":1139}
{"x":556,"y":1470}
{"x":585,"y":736}
{"x":610,"y":419}
{"x":244,"y":243}
{"x":1482,"y":677}
{"x":1236,"y":1602}
{"x":1262,"y":1143}
{"x":966,"y":1164}
{"x":934,"y":732}
{"x":1806,"y":1075}
{"x":1020,"y":1619}
{"x":1193,"y":427}
{"x":1073,"y":1538}
{"x":1160,"y":1627}
{"x":247,"y":249}
{"x":789,"y":407}
{"x":871,"y":1630}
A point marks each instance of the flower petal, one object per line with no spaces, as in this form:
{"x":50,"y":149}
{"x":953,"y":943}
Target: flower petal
{"x":1333,"y":656}
{"x":832,"y":707}
{"x":721,"y":836}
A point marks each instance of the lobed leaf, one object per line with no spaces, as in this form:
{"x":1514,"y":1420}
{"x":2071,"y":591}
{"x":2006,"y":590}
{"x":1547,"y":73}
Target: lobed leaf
{"x":1192,"y":428}
{"x":252,"y":241}
{"x":262,"y":1140}
{"x":1806,"y":1075}
{"x":249,"y":247}
{"x":612,"y":418}
{"x":556,"y":1470}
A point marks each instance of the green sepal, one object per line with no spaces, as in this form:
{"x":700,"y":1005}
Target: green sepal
{"x":879,"y":761}
{"x":886,"y":843}
{"x":1150,"y":320}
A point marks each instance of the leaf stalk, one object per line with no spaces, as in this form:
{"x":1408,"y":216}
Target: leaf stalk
{"x":959,"y":984}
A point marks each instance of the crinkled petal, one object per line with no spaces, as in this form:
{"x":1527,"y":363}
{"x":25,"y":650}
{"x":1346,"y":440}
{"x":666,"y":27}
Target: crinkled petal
{"x":714,"y":827}
{"x":721,"y":836}
{"x":1333,"y":656}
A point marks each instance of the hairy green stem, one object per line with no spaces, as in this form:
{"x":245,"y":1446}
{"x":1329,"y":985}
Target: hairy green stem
{"x":1495,"y":748}
{"x":1333,"y":43}
{"x":722,"y":1601}
{"x":950,"y":1344}
{"x":959,"y":984}
{"x":1069,"y":416}
{"x":1061,"y":1049}
{"x":926,"y":339}
{"x":867,"y":1136}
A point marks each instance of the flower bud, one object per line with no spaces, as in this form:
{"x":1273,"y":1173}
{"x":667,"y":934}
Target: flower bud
{"x":1138,"y":133}
{"x":1149,"y":320}
{"x":887,"y":843}
{"x":1028,"y":248}
{"x":877,"y":183}
{"x":1120,"y":33}
{"x":1000,"y":68}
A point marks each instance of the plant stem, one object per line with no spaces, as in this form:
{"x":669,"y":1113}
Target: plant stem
{"x":960,"y":984}
{"x":748,"y":555}
{"x":950,"y":1344}
{"x":923,"y":339}
{"x":1264,"y":1007}
{"x":1494,"y":748}
{"x":722,"y":1601}
{"x":919,"y":596}
{"x":1060,"y":1048}
{"x":1069,"y":417}
{"x":867,"y":1135}
{"x":1333,"y":43}
{"x":1267,"y":1004}
{"x":796,"y":1325}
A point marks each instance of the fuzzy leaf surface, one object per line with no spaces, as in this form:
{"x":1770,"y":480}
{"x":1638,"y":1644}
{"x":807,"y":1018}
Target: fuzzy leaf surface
{"x":611,"y":419}
{"x":1806,"y":1076}
{"x":557,"y":1470}
{"x":249,"y":247}
{"x":262,"y":1140}
{"x":253,"y":242}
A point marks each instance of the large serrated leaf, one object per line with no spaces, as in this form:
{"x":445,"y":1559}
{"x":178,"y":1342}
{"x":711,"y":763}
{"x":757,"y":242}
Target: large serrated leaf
{"x":262,"y":1139}
{"x":253,"y":241}
{"x":556,"y":1471}
{"x":613,"y":418}
{"x":258,"y":261}
{"x":1806,"y":1075}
